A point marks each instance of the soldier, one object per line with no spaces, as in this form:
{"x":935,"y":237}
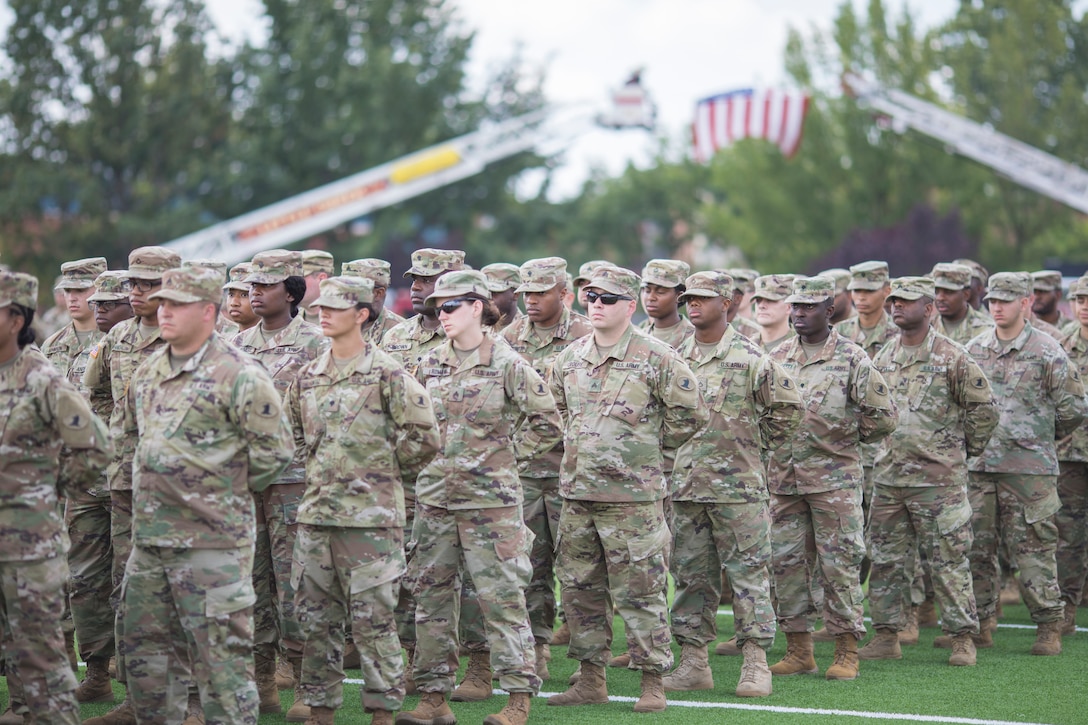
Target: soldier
{"x":111,"y":308}
{"x":211,"y":432}
{"x":1047,"y":285}
{"x":1013,"y":484}
{"x":468,"y":509}
{"x":719,"y":492}
{"x":362,"y":421}
{"x":979,"y":280}
{"x":946,"y":413}
{"x":772,"y":312}
{"x":626,"y":399}
{"x":585,"y":273}
{"x":503,"y":280}
{"x":378,"y":272}
{"x":957,"y":320}
{"x":317,"y":265}
{"x":746,"y":278}
{"x":662,"y":285}
{"x":816,"y":480}
{"x":844,"y":308}
{"x":238,"y":308}
{"x":743,"y":325}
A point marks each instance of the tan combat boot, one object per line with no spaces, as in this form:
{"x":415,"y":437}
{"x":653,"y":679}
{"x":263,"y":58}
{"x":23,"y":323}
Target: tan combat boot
{"x":351,"y":657}
{"x":433,"y":710}
{"x":927,"y":614}
{"x":268,"y":694}
{"x":1069,"y":624}
{"x":591,"y":688}
{"x":963,"y":651}
{"x":324,"y":716}
{"x":516,"y":711}
{"x":299,"y":710}
{"x":983,"y":640}
{"x":409,"y":674}
{"x":845,"y":665}
{"x":1048,"y":639}
{"x":693,"y":672}
{"x":620,"y":661}
{"x":194,"y":710}
{"x":755,"y":676}
{"x":909,"y":634}
{"x":562,"y":635}
{"x":883,"y":646}
{"x":652,"y":698}
{"x":113,"y":667}
{"x":798,"y":659}
{"x":285,"y":676}
{"x":576,"y":675}
{"x":96,"y":686}
{"x":123,"y":714}
{"x":10,"y":717}
{"x":378,"y":717}
{"x":543,"y":654}
{"x":728,"y":648}
{"x":476,"y":686}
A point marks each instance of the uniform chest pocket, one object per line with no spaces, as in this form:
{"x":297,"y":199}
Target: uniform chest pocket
{"x":925,"y":393}
{"x":828,"y":395}
{"x":313,"y":414}
{"x":730,"y":396}
{"x":362,"y":411}
{"x":477,"y":400}
{"x":200,"y":418}
{"x":632,"y":402}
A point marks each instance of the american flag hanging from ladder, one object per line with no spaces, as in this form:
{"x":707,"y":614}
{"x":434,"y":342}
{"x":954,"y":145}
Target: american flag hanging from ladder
{"x":775,"y":115}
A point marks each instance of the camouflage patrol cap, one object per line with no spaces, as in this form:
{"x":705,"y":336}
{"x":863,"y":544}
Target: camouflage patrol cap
{"x":585,"y":272}
{"x":151,"y":262}
{"x":274,"y":266}
{"x":774,"y":287}
{"x":708,"y":284}
{"x":1046,"y":280}
{"x":1079,"y":288}
{"x":570,"y":282}
{"x":190,"y":284}
{"x":838,"y":275}
{"x":19,"y":289}
{"x":110,"y":286}
{"x":377,"y":271}
{"x":868,"y":276}
{"x":665,"y":272}
{"x":502,"y":276}
{"x":541,"y":275}
{"x":458,"y":284}
{"x":912,"y":288}
{"x":433,"y":262}
{"x":342,"y":293}
{"x":1009,"y":286}
{"x":951,"y":276}
{"x":216,"y":264}
{"x":316,"y":260}
{"x":977,"y":270}
{"x":744,"y":279}
{"x":616,"y":280}
{"x":812,"y":290}
{"x":238,"y":273}
{"x":81,"y":273}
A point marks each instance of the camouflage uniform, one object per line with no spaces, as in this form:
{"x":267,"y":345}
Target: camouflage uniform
{"x":746,"y":327}
{"x":44,"y":414}
{"x":946,"y":413}
{"x":211,"y":432}
{"x":1072,"y":518}
{"x":1013,"y":484}
{"x":667,"y":273}
{"x":958,"y":277}
{"x":621,"y":413}
{"x":409,"y":342}
{"x":377,"y":271}
{"x":361,"y":428}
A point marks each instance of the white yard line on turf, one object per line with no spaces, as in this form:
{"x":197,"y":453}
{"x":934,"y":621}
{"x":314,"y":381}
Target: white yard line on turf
{"x":729,"y":613}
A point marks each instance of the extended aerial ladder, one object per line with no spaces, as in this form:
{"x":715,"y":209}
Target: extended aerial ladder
{"x":318,"y":210}
{"x":1021,"y":163}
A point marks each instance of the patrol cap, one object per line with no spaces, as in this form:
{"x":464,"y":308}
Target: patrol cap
{"x":616,"y":280}
{"x":541,"y":275}
{"x":1009,"y":286}
{"x":665,"y":272}
{"x":977,"y":270}
{"x":458,"y":284}
{"x":569,"y":282}
{"x":190,"y":284}
{"x":377,"y":271}
{"x":18,"y":288}
{"x":502,"y":276}
{"x":585,"y":272}
{"x":812,"y":290}
{"x":708,"y":284}
{"x":216,"y":264}
{"x":316,"y":260}
{"x":840,"y":276}
{"x":774,"y":287}
{"x":1046,"y":280}
{"x":868,"y":276}
{"x":342,"y":293}
{"x":1079,"y":288}
{"x":432,"y":262}
{"x":744,"y":279}
{"x":110,"y":286}
{"x":912,"y":288}
{"x":151,"y":262}
{"x":81,"y":273}
{"x":949,"y":275}
{"x":238,"y":273}
{"x":274,"y":266}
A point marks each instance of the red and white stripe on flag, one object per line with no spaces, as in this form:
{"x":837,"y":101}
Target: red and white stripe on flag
{"x":774,"y":115}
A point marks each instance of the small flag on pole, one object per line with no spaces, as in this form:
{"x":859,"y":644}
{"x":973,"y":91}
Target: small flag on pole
{"x":774,"y":115}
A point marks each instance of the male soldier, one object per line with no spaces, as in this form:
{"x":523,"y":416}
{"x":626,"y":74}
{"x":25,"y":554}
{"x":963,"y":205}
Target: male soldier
{"x":109,"y":373}
{"x":743,"y":325}
{"x":626,"y":398}
{"x":211,"y":433}
{"x":111,"y":308}
{"x":946,"y":413}
{"x":1013,"y":484}
{"x":719,"y":491}
{"x":547,"y":329}
{"x":772,"y":312}
{"x":364,"y":424}
{"x":844,"y":309}
{"x":378,"y":272}
{"x":1047,"y":285}
{"x":745,"y":278}
{"x":316,"y":266}
{"x":980,"y":277}
{"x":282,"y":342}
{"x":585,"y":273}
{"x":957,"y":320}
{"x":816,"y":479}
{"x":503,"y":280}
{"x":238,"y":308}
{"x":662,"y":285}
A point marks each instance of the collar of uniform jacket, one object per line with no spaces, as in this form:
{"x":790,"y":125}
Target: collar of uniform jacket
{"x":590,"y":354}
{"x":363,"y":363}
{"x":905,"y":356}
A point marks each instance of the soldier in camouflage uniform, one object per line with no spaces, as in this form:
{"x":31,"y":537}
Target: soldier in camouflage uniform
{"x":378,"y":272}
{"x":721,"y":518}
{"x":816,"y":480}
{"x":626,"y":399}
{"x":772,"y":313}
{"x":1047,"y":286}
{"x":745,"y":278}
{"x":662,"y":285}
{"x":111,"y":308}
{"x":363,"y":424}
{"x":743,"y":325}
{"x":43,"y":415}
{"x":585,"y":273}
{"x":958,"y":320}
{"x":1013,"y":484}
{"x":468,"y":509}
{"x":946,"y":413}
{"x":844,"y":307}
{"x":503,"y":280}
{"x":317,"y":266}
{"x":979,"y":280}
{"x":238,"y":308}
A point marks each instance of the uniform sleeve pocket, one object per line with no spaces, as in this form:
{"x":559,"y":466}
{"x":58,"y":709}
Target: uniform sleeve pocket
{"x":228,"y":599}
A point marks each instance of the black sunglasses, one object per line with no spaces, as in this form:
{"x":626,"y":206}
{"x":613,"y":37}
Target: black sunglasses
{"x":451,"y":306}
{"x":607,"y":298}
